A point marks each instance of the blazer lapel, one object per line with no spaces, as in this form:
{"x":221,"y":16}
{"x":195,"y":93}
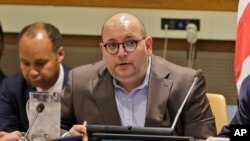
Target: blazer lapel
{"x":106,"y":100}
{"x":158,"y":92}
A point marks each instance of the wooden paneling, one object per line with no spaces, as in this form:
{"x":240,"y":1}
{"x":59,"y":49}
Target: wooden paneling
{"x":173,"y":44}
{"x":221,"y":5}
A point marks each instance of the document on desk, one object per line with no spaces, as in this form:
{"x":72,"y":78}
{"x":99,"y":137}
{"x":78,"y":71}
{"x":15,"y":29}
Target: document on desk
{"x":217,"y":139}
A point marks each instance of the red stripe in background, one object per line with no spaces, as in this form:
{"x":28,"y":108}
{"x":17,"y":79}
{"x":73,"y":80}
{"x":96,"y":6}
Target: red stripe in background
{"x":242,"y":50}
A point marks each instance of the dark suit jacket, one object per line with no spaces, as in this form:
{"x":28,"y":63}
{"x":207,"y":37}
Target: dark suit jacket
{"x":2,"y":76}
{"x":89,"y":96}
{"x":13,"y":97}
{"x":242,"y":116}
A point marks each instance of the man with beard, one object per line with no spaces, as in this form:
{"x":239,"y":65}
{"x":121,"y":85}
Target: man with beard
{"x":132,"y":87}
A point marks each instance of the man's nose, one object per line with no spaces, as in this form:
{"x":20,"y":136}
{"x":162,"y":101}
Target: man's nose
{"x":121,"y":50}
{"x":33,"y":71}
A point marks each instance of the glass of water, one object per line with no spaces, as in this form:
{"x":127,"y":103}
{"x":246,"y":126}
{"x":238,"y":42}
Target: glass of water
{"x":45,"y":122}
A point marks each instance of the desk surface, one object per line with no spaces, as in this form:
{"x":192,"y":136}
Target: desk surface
{"x":217,"y":139}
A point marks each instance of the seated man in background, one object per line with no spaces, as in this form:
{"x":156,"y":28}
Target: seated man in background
{"x":242,"y":115}
{"x":40,"y":54}
{"x":131,"y":86}
{"x":2,"y":75}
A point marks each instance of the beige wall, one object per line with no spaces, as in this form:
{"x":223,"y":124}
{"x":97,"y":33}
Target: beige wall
{"x":215,"y":26}
{"x":217,"y":66}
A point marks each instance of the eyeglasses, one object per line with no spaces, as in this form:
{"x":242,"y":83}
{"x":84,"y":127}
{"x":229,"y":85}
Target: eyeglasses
{"x":129,"y":46}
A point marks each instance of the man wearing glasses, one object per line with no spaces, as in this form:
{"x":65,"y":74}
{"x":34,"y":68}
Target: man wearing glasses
{"x":133,"y":87}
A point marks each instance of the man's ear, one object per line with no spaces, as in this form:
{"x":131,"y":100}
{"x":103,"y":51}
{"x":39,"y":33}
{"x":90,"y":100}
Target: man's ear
{"x":100,"y":46}
{"x":60,"y":54}
{"x":149,"y":44}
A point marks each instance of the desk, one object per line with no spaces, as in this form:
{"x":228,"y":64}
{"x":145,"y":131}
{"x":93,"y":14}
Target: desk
{"x":217,"y":139}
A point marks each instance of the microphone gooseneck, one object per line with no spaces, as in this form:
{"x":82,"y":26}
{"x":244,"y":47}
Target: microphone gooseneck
{"x":39,"y":108}
{"x":197,"y":76}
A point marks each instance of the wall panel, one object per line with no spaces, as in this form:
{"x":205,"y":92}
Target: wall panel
{"x":221,"y":5}
{"x":81,"y":37}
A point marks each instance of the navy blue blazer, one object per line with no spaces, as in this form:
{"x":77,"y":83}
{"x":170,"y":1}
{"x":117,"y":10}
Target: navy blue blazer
{"x":2,"y":76}
{"x":242,"y":115}
{"x":13,"y":97}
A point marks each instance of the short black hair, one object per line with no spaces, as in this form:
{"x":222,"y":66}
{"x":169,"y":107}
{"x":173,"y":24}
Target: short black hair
{"x":52,"y":32}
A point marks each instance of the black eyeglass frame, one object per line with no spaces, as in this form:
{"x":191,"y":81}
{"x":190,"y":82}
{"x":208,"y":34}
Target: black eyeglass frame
{"x":123,"y":45}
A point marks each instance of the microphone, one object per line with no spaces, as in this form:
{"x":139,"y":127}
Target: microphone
{"x":191,"y":33}
{"x":39,"y":108}
{"x":191,"y":38}
{"x":95,"y":129}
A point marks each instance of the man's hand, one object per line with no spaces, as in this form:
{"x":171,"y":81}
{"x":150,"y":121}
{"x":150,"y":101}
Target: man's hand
{"x":13,"y":136}
{"x":78,"y":130}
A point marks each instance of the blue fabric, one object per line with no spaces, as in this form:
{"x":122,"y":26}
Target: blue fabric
{"x":13,"y":97}
{"x":132,"y":105}
{"x":242,"y":115}
{"x":2,"y":76}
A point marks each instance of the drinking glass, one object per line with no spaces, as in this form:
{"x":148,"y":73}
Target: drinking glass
{"x":46,"y":123}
